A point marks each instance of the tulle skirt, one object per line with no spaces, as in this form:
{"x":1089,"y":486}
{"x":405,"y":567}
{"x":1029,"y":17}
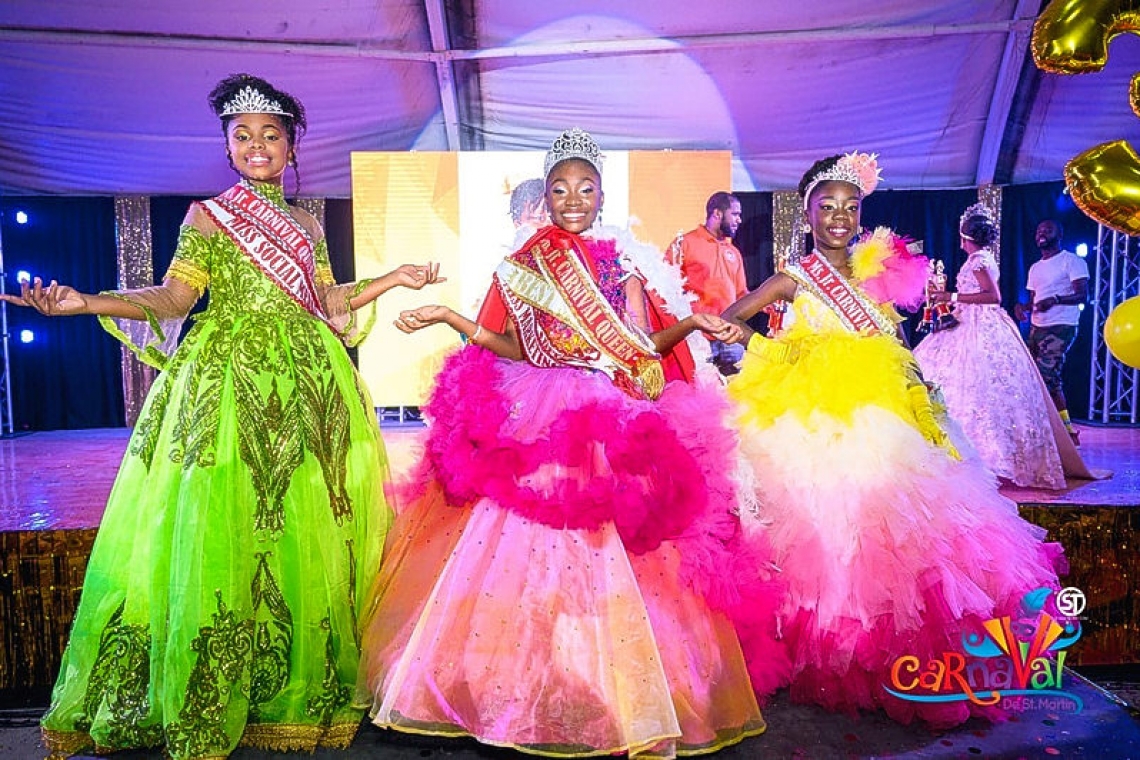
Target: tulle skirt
{"x":994,"y":391}
{"x":889,"y":545}
{"x":555,"y":585}
{"x":196,"y":631}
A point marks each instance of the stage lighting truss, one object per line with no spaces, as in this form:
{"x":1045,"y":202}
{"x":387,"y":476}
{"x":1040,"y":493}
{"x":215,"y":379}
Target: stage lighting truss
{"x":1114,"y":388}
{"x":6,"y":423}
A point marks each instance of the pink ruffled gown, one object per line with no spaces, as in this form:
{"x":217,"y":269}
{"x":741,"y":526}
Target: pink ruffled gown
{"x":565,"y":580}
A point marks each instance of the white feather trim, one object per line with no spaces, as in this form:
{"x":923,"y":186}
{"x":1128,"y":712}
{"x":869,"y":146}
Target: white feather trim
{"x":667,"y":281}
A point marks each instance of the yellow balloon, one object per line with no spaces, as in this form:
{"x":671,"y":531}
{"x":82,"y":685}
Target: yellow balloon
{"x":1122,"y":332}
{"x":1071,"y":36}
{"x":1105,"y":183}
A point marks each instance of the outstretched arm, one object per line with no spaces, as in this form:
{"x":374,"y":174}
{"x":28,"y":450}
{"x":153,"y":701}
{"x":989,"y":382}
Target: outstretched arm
{"x":504,"y":344}
{"x":55,"y":300}
{"x":778,"y":287}
{"x":412,"y":276}
{"x":665,"y":340}
{"x":714,"y":326}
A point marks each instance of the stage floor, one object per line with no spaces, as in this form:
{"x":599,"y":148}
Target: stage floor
{"x":60,"y":479}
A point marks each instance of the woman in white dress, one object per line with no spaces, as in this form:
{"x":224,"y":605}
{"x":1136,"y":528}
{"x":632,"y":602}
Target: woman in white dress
{"x":991,"y":385}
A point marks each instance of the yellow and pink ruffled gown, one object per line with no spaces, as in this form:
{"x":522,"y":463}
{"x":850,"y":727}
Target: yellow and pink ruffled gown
{"x":889,"y":542}
{"x":559,"y":583}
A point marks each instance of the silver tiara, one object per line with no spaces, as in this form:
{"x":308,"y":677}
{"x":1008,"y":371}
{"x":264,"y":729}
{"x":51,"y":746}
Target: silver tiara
{"x":573,"y":143}
{"x":978,"y":209}
{"x":250,"y":100}
{"x":858,"y":169}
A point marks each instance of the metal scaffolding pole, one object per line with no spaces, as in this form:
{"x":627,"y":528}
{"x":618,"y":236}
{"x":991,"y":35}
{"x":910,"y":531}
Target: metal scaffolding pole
{"x":1114,"y":388}
{"x":6,"y":422}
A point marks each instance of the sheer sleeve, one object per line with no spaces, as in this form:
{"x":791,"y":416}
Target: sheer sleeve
{"x":154,"y":338}
{"x":335,"y":300}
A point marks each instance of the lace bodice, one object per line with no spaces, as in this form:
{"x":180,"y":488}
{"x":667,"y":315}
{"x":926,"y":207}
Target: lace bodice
{"x":968,"y":274}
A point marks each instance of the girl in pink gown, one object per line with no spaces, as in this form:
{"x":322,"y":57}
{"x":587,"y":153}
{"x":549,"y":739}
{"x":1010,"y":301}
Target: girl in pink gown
{"x":565,"y":580}
{"x":991,"y":385}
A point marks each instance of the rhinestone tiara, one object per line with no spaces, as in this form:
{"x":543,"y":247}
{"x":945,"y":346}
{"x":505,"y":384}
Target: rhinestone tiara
{"x":573,"y":143}
{"x":250,"y":100}
{"x":978,"y":209}
{"x":858,"y":169}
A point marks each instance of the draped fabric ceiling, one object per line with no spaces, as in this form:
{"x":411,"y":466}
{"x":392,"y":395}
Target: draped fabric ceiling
{"x":108,"y":98}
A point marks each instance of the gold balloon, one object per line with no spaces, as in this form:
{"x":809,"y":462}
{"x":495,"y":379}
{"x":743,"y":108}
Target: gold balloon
{"x":1122,"y":332}
{"x":1105,"y":183}
{"x":1071,"y":36}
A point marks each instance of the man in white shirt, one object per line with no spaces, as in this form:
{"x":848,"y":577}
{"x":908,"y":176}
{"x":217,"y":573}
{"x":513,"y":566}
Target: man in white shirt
{"x":1057,"y":285}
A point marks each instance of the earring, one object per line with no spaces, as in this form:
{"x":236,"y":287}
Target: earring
{"x":805,"y":228}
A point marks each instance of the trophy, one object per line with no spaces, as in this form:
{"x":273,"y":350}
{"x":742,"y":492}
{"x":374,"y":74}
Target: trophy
{"x":936,"y":316}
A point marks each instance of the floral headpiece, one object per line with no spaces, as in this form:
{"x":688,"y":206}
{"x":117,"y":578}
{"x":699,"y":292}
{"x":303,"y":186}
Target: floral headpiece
{"x":978,"y":209}
{"x":250,"y":100}
{"x":858,"y":169}
{"x":573,"y":143}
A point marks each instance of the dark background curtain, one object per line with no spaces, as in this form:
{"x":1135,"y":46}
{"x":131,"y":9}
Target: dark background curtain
{"x":69,"y":376}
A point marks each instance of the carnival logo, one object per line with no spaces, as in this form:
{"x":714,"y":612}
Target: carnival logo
{"x":1017,"y":663}
{"x":1070,"y":601}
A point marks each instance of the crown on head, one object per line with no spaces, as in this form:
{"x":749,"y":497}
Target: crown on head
{"x":573,"y":143}
{"x":978,"y":209}
{"x":250,"y":100}
{"x":858,"y":169}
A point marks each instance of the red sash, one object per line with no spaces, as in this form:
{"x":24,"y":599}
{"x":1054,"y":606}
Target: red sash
{"x":272,"y":239}
{"x":852,"y":307}
{"x":553,"y":273}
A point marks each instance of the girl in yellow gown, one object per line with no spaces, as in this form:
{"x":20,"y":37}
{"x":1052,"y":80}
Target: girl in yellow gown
{"x":890,"y":541}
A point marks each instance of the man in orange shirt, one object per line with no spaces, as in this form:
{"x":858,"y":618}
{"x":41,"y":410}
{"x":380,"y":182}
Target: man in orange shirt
{"x":714,"y":269}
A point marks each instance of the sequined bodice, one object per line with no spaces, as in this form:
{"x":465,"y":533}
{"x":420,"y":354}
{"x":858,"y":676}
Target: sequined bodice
{"x":610,"y":279}
{"x":237,"y":284}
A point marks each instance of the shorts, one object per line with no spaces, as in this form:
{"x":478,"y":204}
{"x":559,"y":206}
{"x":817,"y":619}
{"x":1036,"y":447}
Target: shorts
{"x":1049,"y":345}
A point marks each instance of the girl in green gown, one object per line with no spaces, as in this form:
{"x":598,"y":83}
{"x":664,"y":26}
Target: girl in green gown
{"x":220,"y":602}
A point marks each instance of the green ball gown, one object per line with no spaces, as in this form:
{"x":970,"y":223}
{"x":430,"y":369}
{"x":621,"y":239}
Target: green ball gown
{"x":244,"y":527}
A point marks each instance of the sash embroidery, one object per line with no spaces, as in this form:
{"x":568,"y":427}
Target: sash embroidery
{"x":853,"y":308}
{"x":273,"y":240}
{"x":564,"y":288}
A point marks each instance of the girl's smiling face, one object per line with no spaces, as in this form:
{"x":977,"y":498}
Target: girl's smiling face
{"x":574,"y":195}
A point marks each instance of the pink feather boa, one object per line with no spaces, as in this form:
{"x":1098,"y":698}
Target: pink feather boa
{"x":651,"y":486}
{"x":901,"y":276}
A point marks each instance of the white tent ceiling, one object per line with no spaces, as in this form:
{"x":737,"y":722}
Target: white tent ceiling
{"x":109,"y":97}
